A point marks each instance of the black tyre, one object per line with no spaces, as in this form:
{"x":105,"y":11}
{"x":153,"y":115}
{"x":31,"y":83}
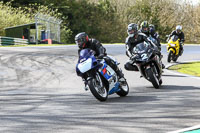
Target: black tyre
{"x":124,"y":89}
{"x":152,"y":78}
{"x":169,"y":58}
{"x":160,"y":82}
{"x":175,"y":58}
{"x":97,"y":88}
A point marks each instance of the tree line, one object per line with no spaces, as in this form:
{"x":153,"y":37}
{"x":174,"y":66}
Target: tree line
{"x":106,"y":20}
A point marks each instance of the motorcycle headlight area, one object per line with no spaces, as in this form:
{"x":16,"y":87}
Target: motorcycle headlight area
{"x":144,"y":56}
{"x":173,"y":45}
{"x":86,"y":65}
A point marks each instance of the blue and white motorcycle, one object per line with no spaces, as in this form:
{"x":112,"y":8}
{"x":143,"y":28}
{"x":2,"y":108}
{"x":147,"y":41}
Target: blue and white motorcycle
{"x":102,"y":80}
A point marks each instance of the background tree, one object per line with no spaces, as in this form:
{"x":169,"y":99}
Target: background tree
{"x":107,"y":20}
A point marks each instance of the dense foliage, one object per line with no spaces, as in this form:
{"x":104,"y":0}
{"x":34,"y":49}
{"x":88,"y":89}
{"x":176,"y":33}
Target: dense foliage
{"x":106,"y":20}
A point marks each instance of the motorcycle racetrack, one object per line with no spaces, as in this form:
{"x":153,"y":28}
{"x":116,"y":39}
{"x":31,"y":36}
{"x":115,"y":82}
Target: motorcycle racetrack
{"x":40,"y":92}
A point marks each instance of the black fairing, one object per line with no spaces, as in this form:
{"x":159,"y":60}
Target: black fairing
{"x":145,"y":57}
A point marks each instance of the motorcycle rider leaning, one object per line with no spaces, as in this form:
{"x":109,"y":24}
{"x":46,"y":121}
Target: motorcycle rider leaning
{"x":180,"y":35}
{"x":150,"y":31}
{"x":155,"y":35}
{"x":135,"y":37}
{"x":84,"y":42}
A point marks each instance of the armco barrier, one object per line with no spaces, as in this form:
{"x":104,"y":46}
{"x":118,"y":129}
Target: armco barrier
{"x":12,"y":41}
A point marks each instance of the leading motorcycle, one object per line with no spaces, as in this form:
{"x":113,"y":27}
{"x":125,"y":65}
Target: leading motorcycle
{"x":102,"y":80}
{"x":148,"y":63}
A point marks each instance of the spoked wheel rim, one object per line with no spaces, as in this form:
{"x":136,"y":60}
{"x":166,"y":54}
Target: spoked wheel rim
{"x":99,"y":87}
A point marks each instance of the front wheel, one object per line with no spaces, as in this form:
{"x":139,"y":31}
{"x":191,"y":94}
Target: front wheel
{"x":152,"y":78}
{"x":170,"y":55}
{"x":124,"y":89}
{"x":175,"y":58}
{"x":97,"y":88}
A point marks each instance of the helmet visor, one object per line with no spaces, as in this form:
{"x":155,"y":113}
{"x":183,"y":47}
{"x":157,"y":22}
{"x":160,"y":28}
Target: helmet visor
{"x":131,"y":31}
{"x":145,"y":29}
{"x":178,"y":31}
{"x":79,"y":43}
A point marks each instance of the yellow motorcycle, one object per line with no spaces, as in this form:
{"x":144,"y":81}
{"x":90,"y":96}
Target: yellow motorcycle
{"x":173,"y":47}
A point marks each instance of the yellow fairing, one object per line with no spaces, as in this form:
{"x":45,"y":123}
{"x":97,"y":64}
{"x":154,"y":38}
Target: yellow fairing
{"x":173,"y":46}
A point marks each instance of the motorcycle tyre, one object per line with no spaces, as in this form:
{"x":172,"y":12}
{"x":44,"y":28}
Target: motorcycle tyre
{"x":95,"y":92}
{"x":123,"y":92}
{"x":169,"y":58}
{"x":153,"y":79}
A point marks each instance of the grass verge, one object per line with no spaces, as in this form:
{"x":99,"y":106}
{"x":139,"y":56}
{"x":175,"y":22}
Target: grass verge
{"x":191,"y":68}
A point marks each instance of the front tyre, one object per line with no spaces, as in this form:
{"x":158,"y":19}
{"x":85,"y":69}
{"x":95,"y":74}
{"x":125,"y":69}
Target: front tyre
{"x":175,"y":58}
{"x":124,"y":89}
{"x":152,"y":78}
{"x":97,"y":88}
{"x":169,"y":58}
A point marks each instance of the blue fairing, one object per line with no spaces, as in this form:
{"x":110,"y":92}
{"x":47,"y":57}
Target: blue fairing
{"x":105,"y":74}
{"x":86,"y":54}
{"x":114,"y":89}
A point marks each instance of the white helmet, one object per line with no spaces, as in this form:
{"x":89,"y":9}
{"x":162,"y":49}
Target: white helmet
{"x":178,"y":27}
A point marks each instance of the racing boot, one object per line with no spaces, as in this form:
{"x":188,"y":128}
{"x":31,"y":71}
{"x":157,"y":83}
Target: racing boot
{"x":181,"y":52}
{"x":120,"y":75}
{"x":86,"y":84}
{"x":163,"y":66}
{"x":86,"y":87}
{"x":181,"y":49}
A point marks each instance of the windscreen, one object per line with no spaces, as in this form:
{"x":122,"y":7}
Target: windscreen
{"x":174,"y":38}
{"x":141,"y":47}
{"x":85,"y":53}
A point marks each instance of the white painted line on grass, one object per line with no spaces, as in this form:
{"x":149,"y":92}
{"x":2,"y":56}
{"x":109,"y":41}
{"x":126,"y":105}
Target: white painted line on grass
{"x":178,"y":73}
{"x":186,"y":129}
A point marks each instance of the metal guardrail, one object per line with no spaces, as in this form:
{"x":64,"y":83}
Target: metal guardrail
{"x":12,"y":41}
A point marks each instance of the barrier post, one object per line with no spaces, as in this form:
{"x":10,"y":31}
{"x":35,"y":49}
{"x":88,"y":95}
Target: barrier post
{"x":49,"y":41}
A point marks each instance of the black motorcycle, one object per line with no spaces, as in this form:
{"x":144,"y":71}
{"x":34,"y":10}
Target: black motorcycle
{"x":148,"y":63}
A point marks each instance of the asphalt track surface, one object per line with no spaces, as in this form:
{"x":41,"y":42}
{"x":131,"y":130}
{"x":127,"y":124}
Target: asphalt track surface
{"x":40,"y":93}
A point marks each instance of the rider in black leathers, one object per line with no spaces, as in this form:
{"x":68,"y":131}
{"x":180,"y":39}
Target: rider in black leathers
{"x":155,"y":35}
{"x":84,"y":42}
{"x":144,"y":28}
{"x":180,"y":35}
{"x":150,"y":31}
{"x":135,"y":37}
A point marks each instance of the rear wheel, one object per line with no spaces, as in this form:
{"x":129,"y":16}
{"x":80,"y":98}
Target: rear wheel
{"x":97,"y":88}
{"x":152,"y":78}
{"x":124,"y":89}
{"x":170,"y":55}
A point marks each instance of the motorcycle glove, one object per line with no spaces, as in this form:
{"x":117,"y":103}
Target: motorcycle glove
{"x":100,"y":56}
{"x":133,"y":58}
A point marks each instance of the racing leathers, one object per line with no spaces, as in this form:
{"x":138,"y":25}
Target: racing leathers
{"x":100,"y":52}
{"x":157,"y":38}
{"x":131,"y":42}
{"x":181,"y":41}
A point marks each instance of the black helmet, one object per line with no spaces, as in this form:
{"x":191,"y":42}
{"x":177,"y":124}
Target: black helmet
{"x":132,"y":29}
{"x":152,"y":29}
{"x":144,"y":26}
{"x":81,"y":39}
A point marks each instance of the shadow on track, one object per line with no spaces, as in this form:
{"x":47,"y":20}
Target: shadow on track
{"x":175,"y":87}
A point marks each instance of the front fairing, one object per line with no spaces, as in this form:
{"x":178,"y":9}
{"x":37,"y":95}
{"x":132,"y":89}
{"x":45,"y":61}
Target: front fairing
{"x":142,"y":52}
{"x":87,"y":61}
{"x":173,"y":44}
